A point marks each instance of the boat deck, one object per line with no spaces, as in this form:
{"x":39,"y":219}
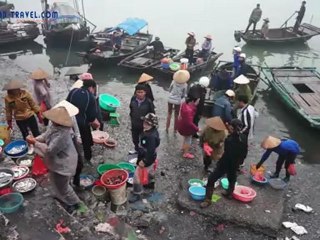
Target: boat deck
{"x":303,"y":86}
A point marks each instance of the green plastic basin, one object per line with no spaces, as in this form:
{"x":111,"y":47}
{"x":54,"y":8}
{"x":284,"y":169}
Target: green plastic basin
{"x":102,"y":168}
{"x":196,"y":182}
{"x":174,"y":66}
{"x":108,"y":102}
{"x":127,"y":166}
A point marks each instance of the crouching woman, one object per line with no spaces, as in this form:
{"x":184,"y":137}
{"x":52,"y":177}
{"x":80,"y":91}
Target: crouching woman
{"x":60,"y":156}
{"x":147,"y":155}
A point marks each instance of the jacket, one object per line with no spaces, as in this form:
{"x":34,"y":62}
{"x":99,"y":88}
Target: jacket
{"x":215,"y":140}
{"x":221,"y":81}
{"x":190,"y":42}
{"x":157,"y":46}
{"x":177,"y":91}
{"x":86,"y":103}
{"x":242,"y":69}
{"x":222,"y":108}
{"x":255,"y":15}
{"x":139,"y":110}
{"x":247,"y":116}
{"x":244,"y":90}
{"x":265,"y":29}
{"x":42,"y":92}
{"x":186,"y":127}
{"x":236,"y":62}
{"x":198,"y":91}
{"x":21,"y":107}
{"x":58,"y":150}
{"x":149,"y":142}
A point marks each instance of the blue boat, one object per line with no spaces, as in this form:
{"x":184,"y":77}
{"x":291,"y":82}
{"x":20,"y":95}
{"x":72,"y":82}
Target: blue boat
{"x":116,"y":43}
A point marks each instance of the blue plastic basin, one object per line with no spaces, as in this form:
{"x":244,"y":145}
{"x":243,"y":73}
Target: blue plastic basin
{"x":10,"y":202}
{"x":16,"y":144}
{"x":197,"y":193}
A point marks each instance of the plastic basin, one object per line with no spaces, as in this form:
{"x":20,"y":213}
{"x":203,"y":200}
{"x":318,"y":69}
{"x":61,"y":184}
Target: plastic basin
{"x":225,"y":183}
{"x":84,"y":178}
{"x":8,"y":180}
{"x":114,"y":179}
{"x":197,"y":193}
{"x":19,"y":146}
{"x":277,"y":183}
{"x":10,"y":202}
{"x":174,"y":66}
{"x":244,"y":194}
{"x":259,"y":180}
{"x":254,"y":171}
{"x":101,"y":169}
{"x":127,"y":166}
{"x":108,"y":102}
{"x":195,"y":182}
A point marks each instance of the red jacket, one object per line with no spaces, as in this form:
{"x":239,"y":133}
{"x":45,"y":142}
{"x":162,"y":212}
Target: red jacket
{"x":186,"y":127}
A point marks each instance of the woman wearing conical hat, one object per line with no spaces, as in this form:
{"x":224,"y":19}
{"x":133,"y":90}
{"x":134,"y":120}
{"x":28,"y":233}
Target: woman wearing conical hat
{"x":287,"y":151}
{"x":144,"y":80}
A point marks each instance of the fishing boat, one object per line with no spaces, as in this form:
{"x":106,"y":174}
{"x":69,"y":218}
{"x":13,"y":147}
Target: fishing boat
{"x":145,"y":58}
{"x":66,"y":28}
{"x":132,"y":41}
{"x":198,"y":67}
{"x":299,"y":90}
{"x":29,"y":48}
{"x":253,"y":75}
{"x":284,"y":35}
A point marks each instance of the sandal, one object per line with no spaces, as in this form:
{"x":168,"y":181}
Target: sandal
{"x":188,"y":155}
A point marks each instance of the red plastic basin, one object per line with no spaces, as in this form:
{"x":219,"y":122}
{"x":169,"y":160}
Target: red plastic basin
{"x":244,"y":194}
{"x":114,"y":179}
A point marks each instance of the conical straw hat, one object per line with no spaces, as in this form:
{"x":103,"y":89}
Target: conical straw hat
{"x":181,"y":76}
{"x":59,"y":116}
{"x":144,"y":78}
{"x":13,"y":84}
{"x":72,"y":109}
{"x":270,"y":142}
{"x":39,"y":74}
{"x":216,"y":123}
{"x":241,"y":80}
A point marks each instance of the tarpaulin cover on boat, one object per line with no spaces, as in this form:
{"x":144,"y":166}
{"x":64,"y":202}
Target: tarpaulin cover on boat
{"x":132,"y":25}
{"x":66,"y":14}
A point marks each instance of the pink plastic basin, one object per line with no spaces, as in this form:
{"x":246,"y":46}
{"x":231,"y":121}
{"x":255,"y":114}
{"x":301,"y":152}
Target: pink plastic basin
{"x":244,"y":194}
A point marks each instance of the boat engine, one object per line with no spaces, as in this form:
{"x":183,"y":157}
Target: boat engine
{"x":237,"y":36}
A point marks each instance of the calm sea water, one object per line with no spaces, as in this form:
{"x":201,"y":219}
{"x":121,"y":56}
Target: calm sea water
{"x":171,"y":20}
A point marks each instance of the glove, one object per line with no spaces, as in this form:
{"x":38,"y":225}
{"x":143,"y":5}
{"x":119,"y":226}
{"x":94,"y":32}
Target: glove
{"x":9,"y":124}
{"x":207,"y":149}
{"x":40,"y":117}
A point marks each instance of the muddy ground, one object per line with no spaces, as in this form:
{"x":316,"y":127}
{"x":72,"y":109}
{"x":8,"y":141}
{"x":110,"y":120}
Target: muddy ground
{"x":158,"y":216}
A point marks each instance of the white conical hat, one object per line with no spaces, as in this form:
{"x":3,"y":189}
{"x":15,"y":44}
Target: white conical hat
{"x":72,"y":109}
{"x":241,"y":80}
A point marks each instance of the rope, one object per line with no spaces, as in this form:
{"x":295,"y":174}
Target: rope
{"x":69,"y":50}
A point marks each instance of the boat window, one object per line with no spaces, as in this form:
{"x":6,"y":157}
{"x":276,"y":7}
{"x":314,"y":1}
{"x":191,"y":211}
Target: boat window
{"x":302,"y":88}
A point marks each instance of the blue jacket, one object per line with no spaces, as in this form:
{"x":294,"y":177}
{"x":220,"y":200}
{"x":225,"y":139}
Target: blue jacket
{"x":221,"y":84}
{"x":222,"y":108}
{"x":149,"y":142}
{"x":86,"y":103}
{"x":286,"y":147}
{"x":236,"y":62}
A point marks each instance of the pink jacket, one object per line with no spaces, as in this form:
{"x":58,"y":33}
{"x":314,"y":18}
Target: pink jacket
{"x":186,"y":127}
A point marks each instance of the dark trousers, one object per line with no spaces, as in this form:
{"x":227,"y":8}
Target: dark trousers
{"x":29,"y":123}
{"x":297,"y":25}
{"x":221,"y":169}
{"x":136,"y":132}
{"x":87,"y":141}
{"x":76,"y":178}
{"x":207,"y":160}
{"x":286,"y":160}
{"x":249,"y":25}
{"x":241,"y":160}
{"x":189,"y":55}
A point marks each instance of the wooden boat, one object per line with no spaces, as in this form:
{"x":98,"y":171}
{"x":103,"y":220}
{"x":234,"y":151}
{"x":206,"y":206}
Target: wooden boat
{"x":299,"y":90}
{"x":279,"y":35}
{"x":144,"y":59}
{"x":253,"y":75}
{"x":13,"y":51}
{"x":69,"y":27}
{"x":193,"y":69}
{"x":18,"y":33}
{"x":132,"y":41}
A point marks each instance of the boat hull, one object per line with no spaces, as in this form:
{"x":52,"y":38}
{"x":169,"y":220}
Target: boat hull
{"x":65,"y":37}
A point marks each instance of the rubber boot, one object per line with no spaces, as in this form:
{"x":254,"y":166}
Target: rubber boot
{"x":275,"y":175}
{"x":287,"y":177}
{"x":207,"y":201}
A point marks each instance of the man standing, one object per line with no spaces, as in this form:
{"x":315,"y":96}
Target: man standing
{"x":300,"y":16}
{"x":83,"y":98}
{"x":222,"y":106}
{"x":158,"y":48}
{"x":254,"y":18}
{"x":190,"y":43}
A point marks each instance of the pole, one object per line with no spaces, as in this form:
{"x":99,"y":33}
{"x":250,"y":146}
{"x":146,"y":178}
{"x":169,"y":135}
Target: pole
{"x":45,"y":18}
{"x":83,"y":12}
{"x":286,"y":22}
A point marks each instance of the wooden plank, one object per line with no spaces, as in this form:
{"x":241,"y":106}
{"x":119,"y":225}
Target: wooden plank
{"x":312,"y":100}
{"x":313,"y":105}
{"x":303,"y":104}
{"x":293,"y":73}
{"x":311,"y":79}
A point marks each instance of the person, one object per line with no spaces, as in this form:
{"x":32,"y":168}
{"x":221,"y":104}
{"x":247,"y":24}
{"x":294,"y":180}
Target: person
{"x":243,"y":87}
{"x":144,"y":81}
{"x":41,"y":91}
{"x":243,"y":67}
{"x":254,"y":18}
{"x":287,"y":150}
{"x":186,"y":126}
{"x":300,"y":16}
{"x":76,"y":138}
{"x":199,"y":90}
{"x":20,"y":105}
{"x":213,"y":136}
{"x":190,"y":43}
{"x":206,"y":48}
{"x":60,"y":156}
{"x":177,"y":91}
{"x":236,"y":62}
{"x":117,"y":40}
{"x":84,"y":100}
{"x":222,"y":106}
{"x":234,"y":149}
{"x":265,"y":28}
{"x":221,"y":80}
{"x":147,"y":155}
{"x":140,"y":106}
{"x":247,"y":116}
{"x":158,"y":48}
